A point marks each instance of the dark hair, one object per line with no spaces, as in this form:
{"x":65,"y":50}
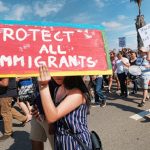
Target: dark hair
{"x":120,"y":53}
{"x":71,"y":82}
{"x":112,"y":52}
{"x":133,"y":52}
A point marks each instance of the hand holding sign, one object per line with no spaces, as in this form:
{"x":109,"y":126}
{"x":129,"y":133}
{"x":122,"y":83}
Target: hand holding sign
{"x":44,"y":76}
{"x":145,"y":35}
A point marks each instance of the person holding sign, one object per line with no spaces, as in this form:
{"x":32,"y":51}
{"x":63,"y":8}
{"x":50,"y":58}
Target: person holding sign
{"x":69,"y":111}
{"x":145,"y":77}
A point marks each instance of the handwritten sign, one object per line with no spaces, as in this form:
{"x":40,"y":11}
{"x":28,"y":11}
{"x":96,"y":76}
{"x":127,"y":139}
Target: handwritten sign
{"x":145,"y":35}
{"x":67,"y":49}
{"x":122,"y":42}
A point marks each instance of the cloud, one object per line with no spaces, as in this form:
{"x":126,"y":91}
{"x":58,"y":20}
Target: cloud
{"x":3,"y":8}
{"x":47,"y":8}
{"x":100,"y":3}
{"x":82,"y":18}
{"x":131,"y":33}
{"x":124,"y":1}
{"x":124,"y":27}
{"x":114,"y":25}
{"x":122,"y":17}
{"x":111,"y":24}
{"x":18,"y":12}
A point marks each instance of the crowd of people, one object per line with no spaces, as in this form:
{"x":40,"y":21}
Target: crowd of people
{"x":44,"y":100}
{"x":128,"y":66}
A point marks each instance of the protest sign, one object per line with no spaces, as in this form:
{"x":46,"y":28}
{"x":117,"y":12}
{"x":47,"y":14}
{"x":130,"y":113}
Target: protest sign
{"x":145,"y":35}
{"x":122,"y":42}
{"x":67,"y":49}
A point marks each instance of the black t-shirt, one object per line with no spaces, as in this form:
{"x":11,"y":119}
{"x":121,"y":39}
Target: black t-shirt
{"x":10,"y":90}
{"x":133,"y":62}
{"x":52,"y":86}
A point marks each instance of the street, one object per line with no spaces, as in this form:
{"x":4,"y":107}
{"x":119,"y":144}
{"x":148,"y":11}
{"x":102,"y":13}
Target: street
{"x":117,"y":125}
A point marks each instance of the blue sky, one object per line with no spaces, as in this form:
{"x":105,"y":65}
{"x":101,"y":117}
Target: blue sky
{"x":117,"y":16}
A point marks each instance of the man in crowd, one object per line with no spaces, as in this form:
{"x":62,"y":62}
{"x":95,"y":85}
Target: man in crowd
{"x":100,"y":98}
{"x":8,"y":90}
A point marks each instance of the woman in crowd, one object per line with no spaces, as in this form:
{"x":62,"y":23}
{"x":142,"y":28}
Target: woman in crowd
{"x":122,"y":65}
{"x":145,"y":77}
{"x":113,"y":59}
{"x":132,"y":61}
{"x":69,"y":111}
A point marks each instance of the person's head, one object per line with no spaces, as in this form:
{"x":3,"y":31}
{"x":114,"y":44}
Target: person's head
{"x":143,"y":51}
{"x":124,"y":50}
{"x":71,"y":82}
{"x":112,"y":54}
{"x":120,"y":54}
{"x":133,"y":54}
{"x":58,"y":79}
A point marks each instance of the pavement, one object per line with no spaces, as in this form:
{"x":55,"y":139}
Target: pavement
{"x":121,"y":125}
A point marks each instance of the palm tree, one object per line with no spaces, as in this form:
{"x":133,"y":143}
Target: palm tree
{"x":138,"y":3}
{"x":139,"y":22}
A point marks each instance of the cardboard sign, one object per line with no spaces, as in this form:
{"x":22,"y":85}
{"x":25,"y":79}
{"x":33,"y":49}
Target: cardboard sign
{"x":67,"y":49}
{"x":122,"y":42}
{"x":145,"y":35}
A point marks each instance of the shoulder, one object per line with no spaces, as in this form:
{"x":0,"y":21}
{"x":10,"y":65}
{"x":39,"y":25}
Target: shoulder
{"x":74,"y":91}
{"x":76,"y":94}
{"x":125,"y":59}
{"x":117,"y":61}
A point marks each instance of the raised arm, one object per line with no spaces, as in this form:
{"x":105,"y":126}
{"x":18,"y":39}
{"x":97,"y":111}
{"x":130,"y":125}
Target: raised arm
{"x":73,"y":99}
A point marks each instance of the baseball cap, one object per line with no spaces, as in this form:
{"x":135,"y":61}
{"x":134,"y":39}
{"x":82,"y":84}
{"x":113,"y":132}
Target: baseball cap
{"x":143,"y":49}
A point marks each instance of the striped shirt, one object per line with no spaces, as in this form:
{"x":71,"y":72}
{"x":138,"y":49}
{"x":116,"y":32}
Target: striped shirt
{"x":76,"y":121}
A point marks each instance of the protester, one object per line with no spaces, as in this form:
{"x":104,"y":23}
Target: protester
{"x":90,"y":87}
{"x":40,"y":129}
{"x":24,"y":85}
{"x":132,"y":61}
{"x":113,"y":59}
{"x":145,"y":76}
{"x":100,"y":98}
{"x":122,"y":65}
{"x":73,"y":95}
{"x":8,"y":90}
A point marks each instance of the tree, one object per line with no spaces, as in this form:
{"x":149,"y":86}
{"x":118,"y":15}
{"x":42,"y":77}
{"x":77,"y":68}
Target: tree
{"x":139,"y":2}
{"x":139,"y":22}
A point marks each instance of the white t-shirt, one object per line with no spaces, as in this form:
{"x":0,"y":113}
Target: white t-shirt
{"x":142,"y":62}
{"x":120,"y":66}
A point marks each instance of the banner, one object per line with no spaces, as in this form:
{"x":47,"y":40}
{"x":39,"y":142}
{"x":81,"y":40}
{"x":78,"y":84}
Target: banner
{"x":122,"y":42}
{"x":67,"y":49}
{"x":145,"y":35}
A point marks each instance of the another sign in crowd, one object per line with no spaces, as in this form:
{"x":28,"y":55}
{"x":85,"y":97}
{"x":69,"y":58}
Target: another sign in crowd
{"x":57,"y":106}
